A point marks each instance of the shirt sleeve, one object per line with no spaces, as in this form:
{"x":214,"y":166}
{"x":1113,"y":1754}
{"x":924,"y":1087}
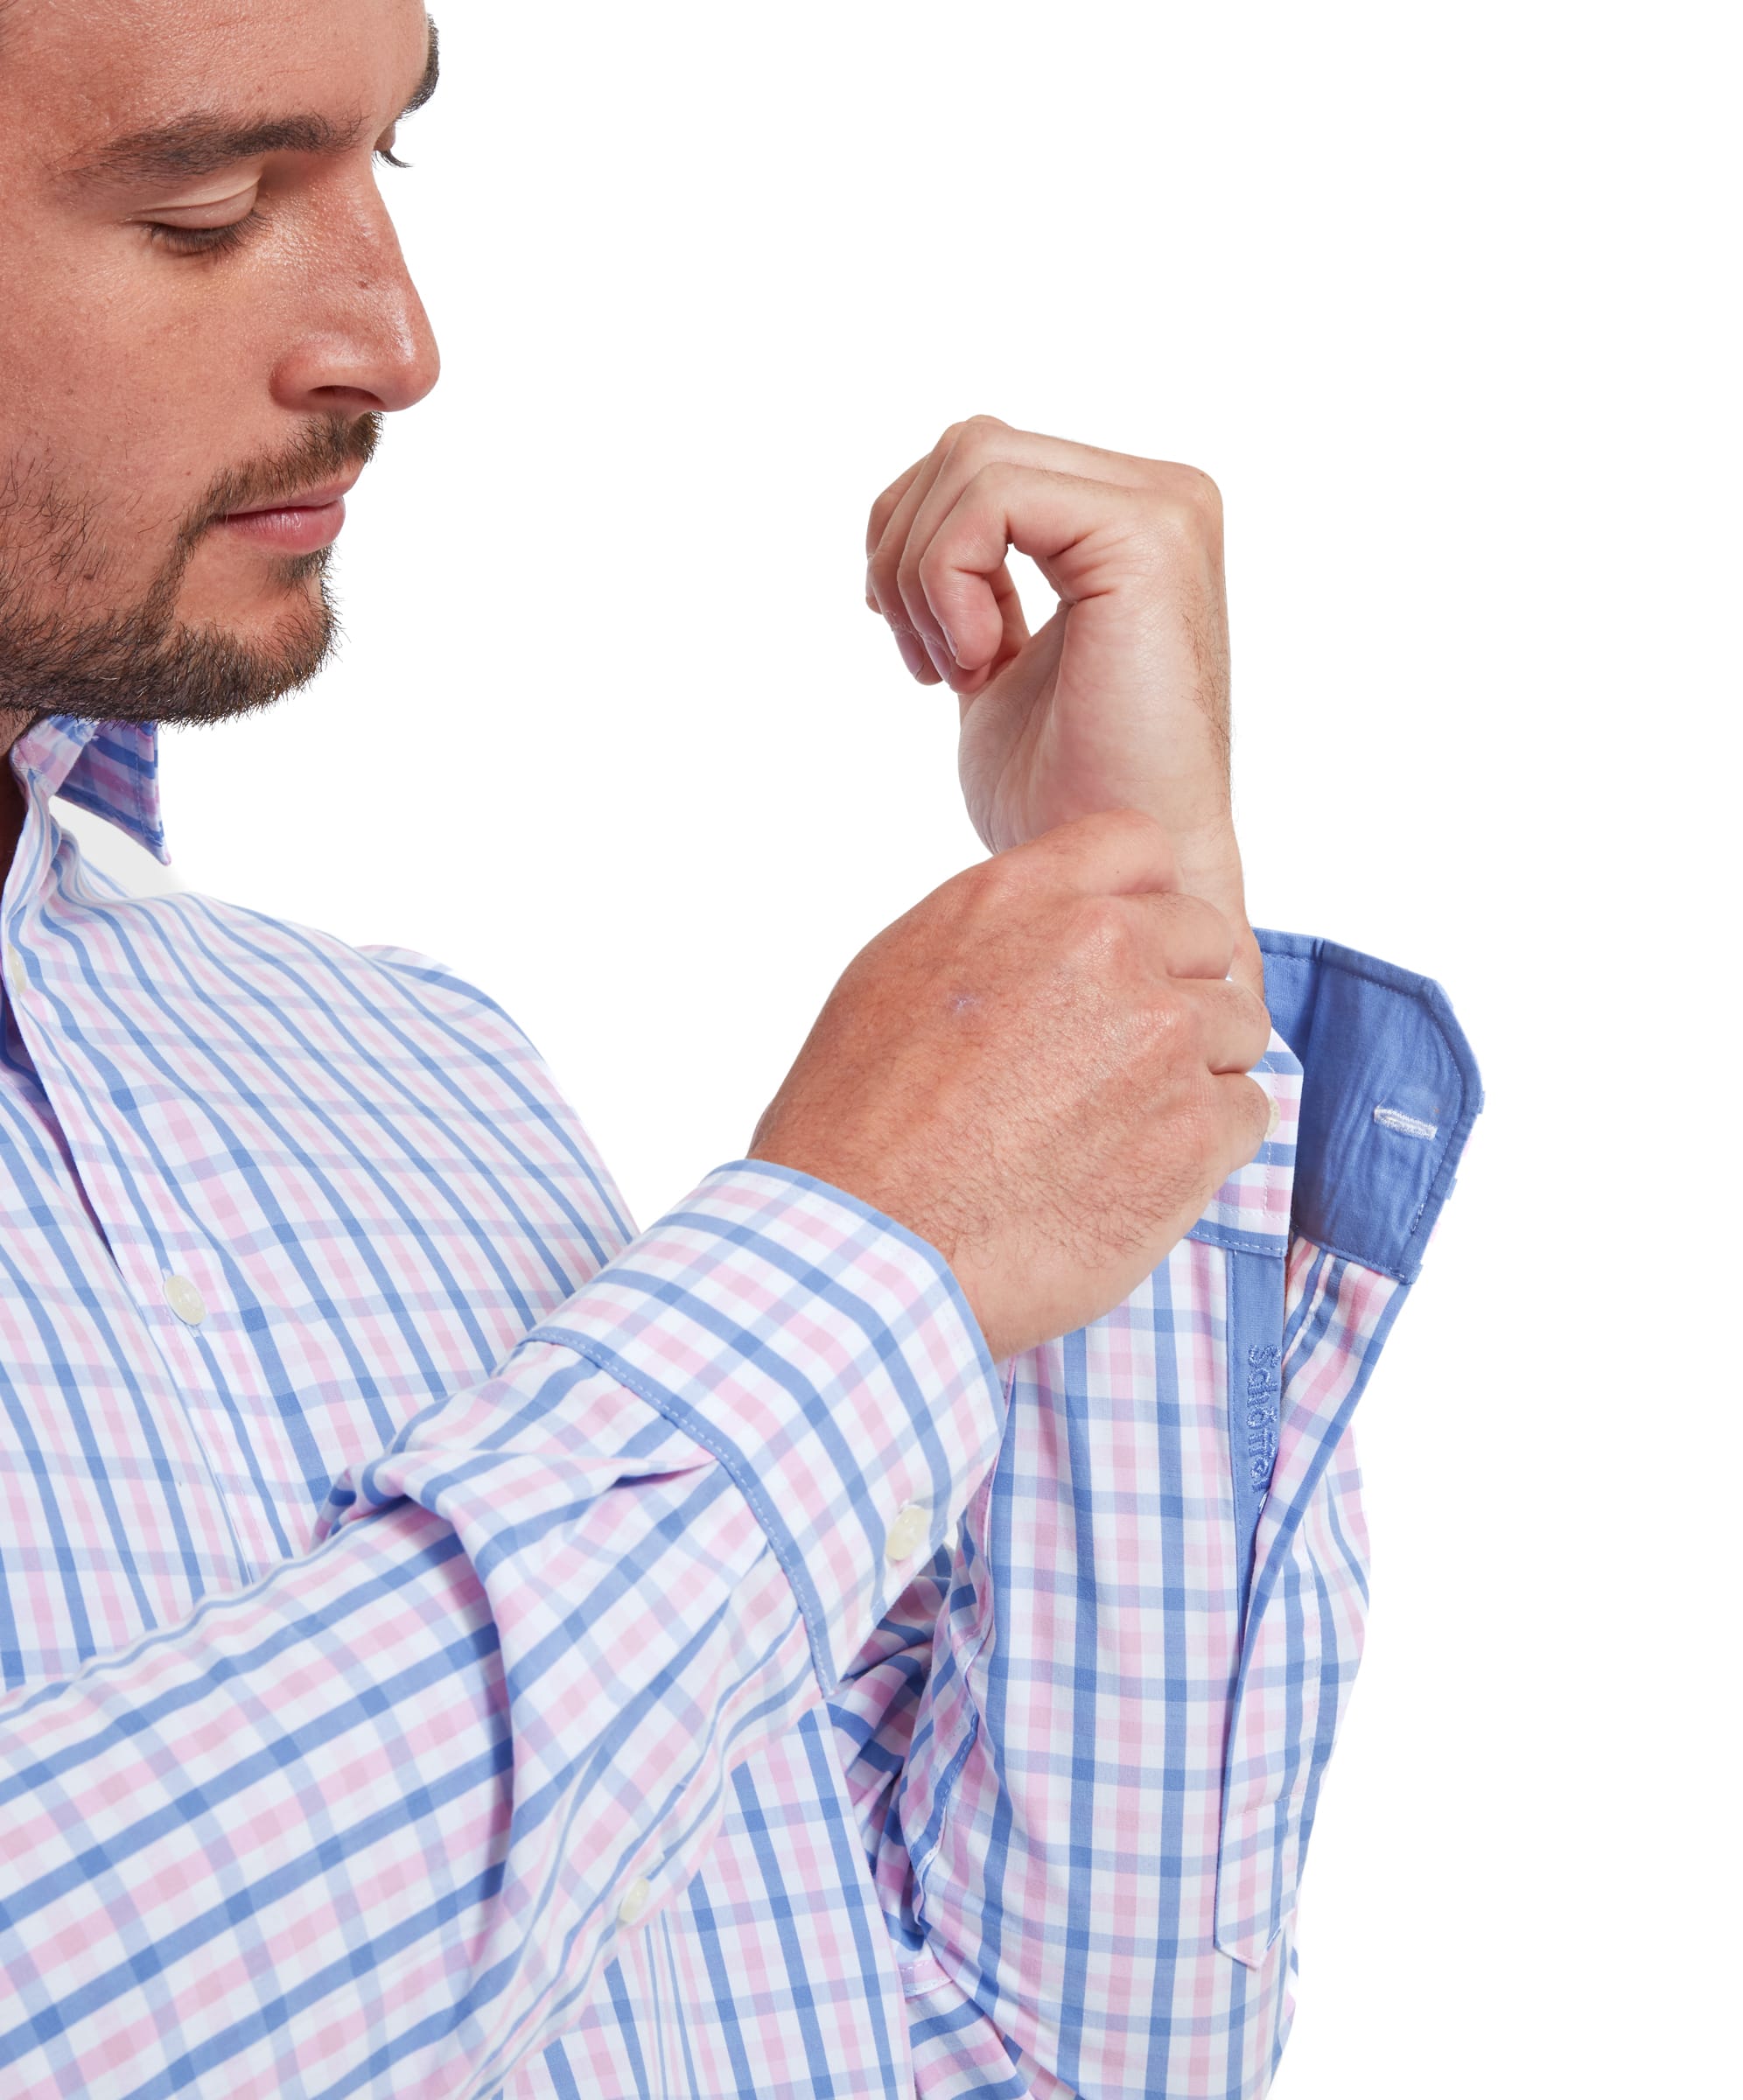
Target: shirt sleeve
{"x":374,"y":1822}
{"x":1145,"y":1636}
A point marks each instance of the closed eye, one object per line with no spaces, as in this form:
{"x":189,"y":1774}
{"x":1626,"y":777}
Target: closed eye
{"x":199,"y":234}
{"x":202,"y":240}
{"x":204,"y":229}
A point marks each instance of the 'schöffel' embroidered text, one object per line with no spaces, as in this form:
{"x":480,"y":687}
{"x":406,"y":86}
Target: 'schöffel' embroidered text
{"x":1262,"y":1411}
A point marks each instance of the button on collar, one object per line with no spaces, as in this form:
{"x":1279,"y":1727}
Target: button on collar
{"x":636,"y":1898}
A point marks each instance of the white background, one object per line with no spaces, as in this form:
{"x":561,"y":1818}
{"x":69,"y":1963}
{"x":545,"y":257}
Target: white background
{"x":1443,"y":297}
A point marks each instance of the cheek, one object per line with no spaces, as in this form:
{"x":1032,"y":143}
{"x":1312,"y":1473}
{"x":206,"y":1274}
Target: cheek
{"x":81,"y":506}
{"x":77,"y":532}
{"x":123,"y":390}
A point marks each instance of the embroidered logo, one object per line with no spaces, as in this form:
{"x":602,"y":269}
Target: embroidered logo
{"x":1262,"y":1392}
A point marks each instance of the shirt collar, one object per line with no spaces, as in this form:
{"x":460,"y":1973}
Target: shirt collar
{"x":110,"y":768}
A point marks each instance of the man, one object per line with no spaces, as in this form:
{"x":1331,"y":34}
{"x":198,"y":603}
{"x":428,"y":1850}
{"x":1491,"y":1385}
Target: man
{"x":880,"y":1630}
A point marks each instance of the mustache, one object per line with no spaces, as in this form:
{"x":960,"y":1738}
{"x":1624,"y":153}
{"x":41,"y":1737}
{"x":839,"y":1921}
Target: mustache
{"x":326,"y":448}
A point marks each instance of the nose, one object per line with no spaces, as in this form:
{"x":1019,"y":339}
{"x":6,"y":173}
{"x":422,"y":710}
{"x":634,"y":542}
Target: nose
{"x":360,"y":340}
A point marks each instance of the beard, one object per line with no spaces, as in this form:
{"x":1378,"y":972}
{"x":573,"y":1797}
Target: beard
{"x":137,"y":663}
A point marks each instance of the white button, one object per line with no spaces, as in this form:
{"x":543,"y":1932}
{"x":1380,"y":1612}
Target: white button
{"x":183,"y":1300}
{"x":636,"y":1898}
{"x":908,"y":1531}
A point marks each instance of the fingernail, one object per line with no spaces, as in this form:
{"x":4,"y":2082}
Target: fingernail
{"x":913,"y":655}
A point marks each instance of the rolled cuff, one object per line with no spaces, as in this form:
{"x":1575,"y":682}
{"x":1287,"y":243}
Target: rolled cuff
{"x":827,"y":1358}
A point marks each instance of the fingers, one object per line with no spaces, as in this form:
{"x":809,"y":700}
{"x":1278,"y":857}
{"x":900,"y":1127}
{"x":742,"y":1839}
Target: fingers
{"x":884,"y":511}
{"x":965,"y":628}
{"x":1122,"y":862}
{"x":904,"y":518}
{"x":893,"y":579}
{"x":887,"y":537}
{"x":1233,"y":1027}
{"x":1081,"y":534}
{"x":1185,"y":936}
{"x":1191,"y":944}
{"x":1012,"y":641}
{"x":1126,"y":858}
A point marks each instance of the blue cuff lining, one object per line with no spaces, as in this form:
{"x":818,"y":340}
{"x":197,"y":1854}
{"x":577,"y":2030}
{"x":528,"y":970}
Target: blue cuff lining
{"x":1389,"y":1091}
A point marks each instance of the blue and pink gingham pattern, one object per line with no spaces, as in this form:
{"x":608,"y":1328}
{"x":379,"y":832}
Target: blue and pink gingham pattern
{"x":451,"y":1643}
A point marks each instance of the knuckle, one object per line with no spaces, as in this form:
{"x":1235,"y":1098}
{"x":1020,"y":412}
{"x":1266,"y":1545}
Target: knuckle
{"x":1188,"y":508}
{"x":1187,"y":487}
{"x":965,"y":439}
{"x":1133,"y":830}
{"x":996,"y":880}
{"x":1217,"y":933}
{"x":884,"y":507}
{"x":1175,"y":534}
{"x":1199,"y":492}
{"x":1025,"y":887}
{"x":1172,"y":1031}
{"x":1124,"y":822}
{"x":1257,"y":1020}
{"x":1099,"y":928}
{"x":990,"y":480}
{"x":931,"y":570}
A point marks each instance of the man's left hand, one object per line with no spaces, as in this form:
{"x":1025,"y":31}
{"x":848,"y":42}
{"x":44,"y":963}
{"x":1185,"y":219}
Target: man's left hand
{"x":1121,"y":701}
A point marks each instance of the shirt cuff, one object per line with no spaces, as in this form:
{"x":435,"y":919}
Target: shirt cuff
{"x":1389,"y":1091}
{"x":827,"y":1358}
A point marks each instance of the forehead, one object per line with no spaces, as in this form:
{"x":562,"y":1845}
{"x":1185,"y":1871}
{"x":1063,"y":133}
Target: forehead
{"x":101,"y":66}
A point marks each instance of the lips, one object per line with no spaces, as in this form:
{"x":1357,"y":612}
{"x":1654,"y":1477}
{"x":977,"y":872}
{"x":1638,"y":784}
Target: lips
{"x":297,"y":524}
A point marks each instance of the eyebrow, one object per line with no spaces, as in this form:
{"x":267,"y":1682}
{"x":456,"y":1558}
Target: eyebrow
{"x":432,"y":68}
{"x":202,"y":143}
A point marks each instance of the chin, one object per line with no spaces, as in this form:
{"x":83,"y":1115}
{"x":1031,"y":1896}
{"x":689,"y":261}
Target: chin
{"x":171,"y":659}
{"x":252,"y":604}
{"x":213,"y":669}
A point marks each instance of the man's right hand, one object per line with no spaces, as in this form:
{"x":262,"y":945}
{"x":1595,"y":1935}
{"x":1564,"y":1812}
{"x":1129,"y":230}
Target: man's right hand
{"x":1040,"y":1071}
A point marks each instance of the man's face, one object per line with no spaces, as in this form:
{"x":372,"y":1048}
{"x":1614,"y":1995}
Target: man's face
{"x":204,"y":314}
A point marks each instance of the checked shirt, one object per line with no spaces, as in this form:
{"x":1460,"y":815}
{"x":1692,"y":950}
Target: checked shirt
{"x":452,"y":1644}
